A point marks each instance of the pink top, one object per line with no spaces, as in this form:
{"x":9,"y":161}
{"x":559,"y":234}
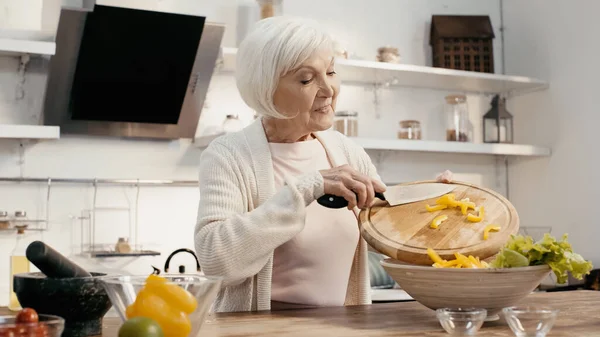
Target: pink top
{"x":312,"y":268}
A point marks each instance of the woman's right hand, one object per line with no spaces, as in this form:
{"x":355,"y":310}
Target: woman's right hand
{"x":357,"y":188}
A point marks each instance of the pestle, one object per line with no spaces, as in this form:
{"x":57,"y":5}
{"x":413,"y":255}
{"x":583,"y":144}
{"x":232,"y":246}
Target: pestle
{"x":52,"y":263}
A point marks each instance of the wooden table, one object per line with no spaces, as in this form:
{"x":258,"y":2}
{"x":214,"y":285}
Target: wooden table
{"x":579,"y":317}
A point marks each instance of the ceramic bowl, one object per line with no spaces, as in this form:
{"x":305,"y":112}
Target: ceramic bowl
{"x":491,"y":289}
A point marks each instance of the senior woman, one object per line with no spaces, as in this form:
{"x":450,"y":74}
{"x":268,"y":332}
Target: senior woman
{"x":259,"y":226}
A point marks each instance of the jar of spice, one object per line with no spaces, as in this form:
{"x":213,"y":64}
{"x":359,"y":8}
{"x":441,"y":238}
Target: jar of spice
{"x":21,"y":218}
{"x":410,"y":129}
{"x":4,"y":220}
{"x":346,"y":122}
{"x":457,"y":118}
{"x":269,"y":8}
{"x":388,"y":54}
{"x":123,"y":246}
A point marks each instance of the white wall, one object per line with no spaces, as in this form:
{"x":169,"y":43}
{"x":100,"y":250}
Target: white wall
{"x":557,"y":41}
{"x":167,"y":215}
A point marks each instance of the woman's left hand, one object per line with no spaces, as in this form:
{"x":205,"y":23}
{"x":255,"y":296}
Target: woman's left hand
{"x":445,"y":177}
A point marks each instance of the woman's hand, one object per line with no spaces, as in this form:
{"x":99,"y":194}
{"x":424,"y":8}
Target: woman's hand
{"x":357,"y":188}
{"x":445,"y":177}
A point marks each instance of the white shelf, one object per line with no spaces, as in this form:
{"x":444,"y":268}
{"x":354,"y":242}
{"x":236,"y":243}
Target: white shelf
{"x":203,"y":141}
{"x":407,"y":75}
{"x":17,"y":42}
{"x":9,"y":131}
{"x":452,"y":147}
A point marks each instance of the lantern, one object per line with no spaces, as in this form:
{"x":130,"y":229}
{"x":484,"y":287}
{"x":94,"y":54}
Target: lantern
{"x":498,"y":123}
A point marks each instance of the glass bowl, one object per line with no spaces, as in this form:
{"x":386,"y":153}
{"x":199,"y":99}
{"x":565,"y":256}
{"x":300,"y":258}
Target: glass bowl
{"x":48,"y":326}
{"x":123,"y":290}
{"x":530,"y":321}
{"x":461,"y":321}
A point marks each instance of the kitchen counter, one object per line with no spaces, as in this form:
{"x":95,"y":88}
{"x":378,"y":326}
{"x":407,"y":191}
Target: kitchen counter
{"x":579,"y":317}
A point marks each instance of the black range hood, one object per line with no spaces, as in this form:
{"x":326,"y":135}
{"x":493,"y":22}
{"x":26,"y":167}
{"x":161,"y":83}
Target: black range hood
{"x":130,"y":73}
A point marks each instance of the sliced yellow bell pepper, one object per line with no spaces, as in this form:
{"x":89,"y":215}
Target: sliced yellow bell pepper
{"x":465,"y":205}
{"x":438,"y":220}
{"x":488,"y":229}
{"x":435,"y":208}
{"x":448,"y":200}
{"x":478,"y":218}
{"x":460,"y":261}
{"x":434,"y":256}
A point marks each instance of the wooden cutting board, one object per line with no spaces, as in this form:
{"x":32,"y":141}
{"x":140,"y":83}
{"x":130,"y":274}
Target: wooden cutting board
{"x":403,"y":232}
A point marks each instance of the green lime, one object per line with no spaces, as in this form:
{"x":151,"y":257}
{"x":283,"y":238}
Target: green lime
{"x":140,"y":327}
{"x":515,"y":259}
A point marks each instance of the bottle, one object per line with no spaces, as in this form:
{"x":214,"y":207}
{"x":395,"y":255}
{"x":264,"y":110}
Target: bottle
{"x":18,"y":264}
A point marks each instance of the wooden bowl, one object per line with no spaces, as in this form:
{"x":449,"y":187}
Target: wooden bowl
{"x":491,"y":289}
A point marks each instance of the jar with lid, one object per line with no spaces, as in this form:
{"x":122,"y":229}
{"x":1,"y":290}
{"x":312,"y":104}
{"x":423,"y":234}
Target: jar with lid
{"x":346,"y":122}
{"x":232,"y":124}
{"x":457,"y":118}
{"x":269,"y":8}
{"x":409,"y":129}
{"x":20,"y":218}
{"x":123,"y":246}
{"x":4,"y":220}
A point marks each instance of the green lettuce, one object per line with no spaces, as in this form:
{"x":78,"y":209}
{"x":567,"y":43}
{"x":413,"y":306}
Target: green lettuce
{"x":521,"y":251}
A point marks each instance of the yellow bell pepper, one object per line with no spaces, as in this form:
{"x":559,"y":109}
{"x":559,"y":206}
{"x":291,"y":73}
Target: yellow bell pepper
{"x":438,"y":220}
{"x":460,"y":261}
{"x":488,"y":229}
{"x":435,"y":208}
{"x":478,"y":218}
{"x":465,"y":205}
{"x":448,"y":200}
{"x":166,"y":303}
{"x":434,"y":256}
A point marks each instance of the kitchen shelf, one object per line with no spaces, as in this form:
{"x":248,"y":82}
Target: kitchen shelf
{"x":10,"y":131}
{"x":408,"y":75}
{"x":32,"y":225}
{"x":100,"y":254}
{"x":20,"y":47}
{"x":452,"y":147}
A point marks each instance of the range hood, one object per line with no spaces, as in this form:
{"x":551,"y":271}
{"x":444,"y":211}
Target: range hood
{"x":130,"y":73}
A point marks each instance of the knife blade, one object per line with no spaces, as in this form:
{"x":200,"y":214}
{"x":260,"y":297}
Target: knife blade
{"x":395,"y":195}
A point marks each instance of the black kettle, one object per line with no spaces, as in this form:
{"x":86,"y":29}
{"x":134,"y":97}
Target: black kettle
{"x":181,"y":267}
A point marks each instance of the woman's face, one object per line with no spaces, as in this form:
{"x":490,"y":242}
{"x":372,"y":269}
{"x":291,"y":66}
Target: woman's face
{"x":309,"y":93}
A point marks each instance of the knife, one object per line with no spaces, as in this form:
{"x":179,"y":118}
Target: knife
{"x":395,"y":195}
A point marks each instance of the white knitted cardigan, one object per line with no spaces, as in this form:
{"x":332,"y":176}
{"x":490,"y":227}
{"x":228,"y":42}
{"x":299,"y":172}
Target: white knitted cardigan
{"x":242,"y":218}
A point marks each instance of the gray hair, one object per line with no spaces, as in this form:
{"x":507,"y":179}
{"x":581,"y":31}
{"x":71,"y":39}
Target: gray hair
{"x":274,"y":47}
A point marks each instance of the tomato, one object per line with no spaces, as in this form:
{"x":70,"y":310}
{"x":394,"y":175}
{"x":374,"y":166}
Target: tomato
{"x":38,"y":330}
{"x":140,"y":327}
{"x":27,"y":315}
{"x":8,"y":332}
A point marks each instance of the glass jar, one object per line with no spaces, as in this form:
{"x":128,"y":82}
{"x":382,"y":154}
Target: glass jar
{"x":123,"y":246}
{"x":346,"y":122}
{"x":4,"y":220}
{"x":232,"y":124}
{"x":269,"y":8}
{"x":457,"y":118}
{"x":410,"y":129}
{"x":20,"y":218}
{"x":388,"y":54}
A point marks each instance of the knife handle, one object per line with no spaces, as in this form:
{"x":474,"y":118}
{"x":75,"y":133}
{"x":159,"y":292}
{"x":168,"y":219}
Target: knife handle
{"x":335,"y":202}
